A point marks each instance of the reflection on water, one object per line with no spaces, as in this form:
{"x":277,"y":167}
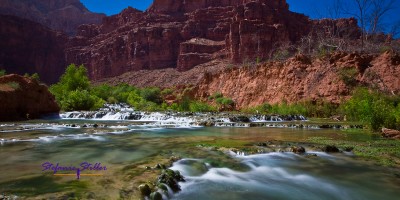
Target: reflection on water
{"x":24,"y":147}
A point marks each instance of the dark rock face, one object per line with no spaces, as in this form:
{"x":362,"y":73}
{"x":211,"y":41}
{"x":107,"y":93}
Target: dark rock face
{"x":61,"y":15}
{"x":29,"y":47}
{"x":22,"y":98}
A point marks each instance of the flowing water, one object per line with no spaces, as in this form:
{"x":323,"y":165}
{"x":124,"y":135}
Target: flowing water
{"x":125,"y":147}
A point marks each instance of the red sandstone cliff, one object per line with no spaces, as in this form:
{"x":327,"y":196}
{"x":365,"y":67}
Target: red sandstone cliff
{"x":22,"y":98}
{"x":61,"y":15}
{"x":302,"y":78}
{"x":184,"y":34}
{"x":29,"y":47}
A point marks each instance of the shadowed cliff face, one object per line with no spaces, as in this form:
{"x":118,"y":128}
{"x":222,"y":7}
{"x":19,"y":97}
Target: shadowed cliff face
{"x":23,"y":98}
{"x":61,"y":15}
{"x":29,"y":47}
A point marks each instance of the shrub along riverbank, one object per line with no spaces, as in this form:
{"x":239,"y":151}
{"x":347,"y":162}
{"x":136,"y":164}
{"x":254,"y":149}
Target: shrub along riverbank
{"x":75,"y":92}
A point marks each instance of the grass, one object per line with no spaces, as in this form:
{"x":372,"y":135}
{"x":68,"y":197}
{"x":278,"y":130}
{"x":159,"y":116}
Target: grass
{"x":385,"y":152}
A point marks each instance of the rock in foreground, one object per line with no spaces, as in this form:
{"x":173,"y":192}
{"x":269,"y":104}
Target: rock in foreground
{"x":23,"y":98}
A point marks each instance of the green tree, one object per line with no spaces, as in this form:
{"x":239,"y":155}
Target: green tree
{"x":72,"y":91}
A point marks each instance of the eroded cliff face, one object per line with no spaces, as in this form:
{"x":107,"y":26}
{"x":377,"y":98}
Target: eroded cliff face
{"x":23,"y":98}
{"x":61,"y":15}
{"x":184,"y":34}
{"x":302,"y":78}
{"x":29,"y":47}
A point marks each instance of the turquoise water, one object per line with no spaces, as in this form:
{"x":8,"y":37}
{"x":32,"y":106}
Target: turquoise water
{"x":126,"y":147}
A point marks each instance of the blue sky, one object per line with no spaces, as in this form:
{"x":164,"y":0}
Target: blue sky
{"x":313,"y":8}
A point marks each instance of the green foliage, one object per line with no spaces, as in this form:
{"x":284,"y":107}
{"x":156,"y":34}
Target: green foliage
{"x":152,"y":94}
{"x":74,"y":78}
{"x":112,"y":100}
{"x":103,"y":91}
{"x":184,"y":104}
{"x":167,"y":91}
{"x":72,"y":91}
{"x":323,"y":51}
{"x":14,"y":85}
{"x":225,"y":101}
{"x":306,"y":108}
{"x":372,"y":108}
{"x":197,"y":106}
{"x":288,"y":109}
{"x":34,"y":76}
{"x":216,"y":95}
{"x":347,"y":75}
{"x":2,"y":72}
{"x":81,"y":100}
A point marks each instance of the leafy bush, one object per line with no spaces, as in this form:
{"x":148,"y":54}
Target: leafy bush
{"x":372,"y":108}
{"x":81,"y":100}
{"x":103,"y":91}
{"x":197,"y":106}
{"x":167,"y":91}
{"x":2,"y":72}
{"x":215,"y":96}
{"x":225,"y":101}
{"x":152,"y":94}
{"x":347,"y":75}
{"x":74,"y":78}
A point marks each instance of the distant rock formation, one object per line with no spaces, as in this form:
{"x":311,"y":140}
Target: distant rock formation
{"x":23,"y":98}
{"x":29,"y":47}
{"x":61,"y":15}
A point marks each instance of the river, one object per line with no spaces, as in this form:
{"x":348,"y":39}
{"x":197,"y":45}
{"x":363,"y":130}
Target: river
{"x":125,"y":148}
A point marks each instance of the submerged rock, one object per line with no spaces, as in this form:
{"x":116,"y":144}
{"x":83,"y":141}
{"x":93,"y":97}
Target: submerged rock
{"x":144,"y":189}
{"x":330,"y":149}
{"x":297,"y":149}
{"x":156,"y":196}
{"x":171,"y":178}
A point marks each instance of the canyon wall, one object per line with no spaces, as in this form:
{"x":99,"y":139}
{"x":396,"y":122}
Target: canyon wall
{"x":29,"y":47}
{"x":60,"y":15}
{"x":160,"y":37}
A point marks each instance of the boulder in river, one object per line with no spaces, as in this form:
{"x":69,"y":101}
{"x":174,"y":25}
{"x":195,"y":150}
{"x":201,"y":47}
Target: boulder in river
{"x":330,"y":149}
{"x":297,"y":149}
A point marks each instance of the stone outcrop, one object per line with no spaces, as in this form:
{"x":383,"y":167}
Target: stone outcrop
{"x":23,"y":98}
{"x":29,"y":47}
{"x":197,"y":51}
{"x":61,"y":15}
